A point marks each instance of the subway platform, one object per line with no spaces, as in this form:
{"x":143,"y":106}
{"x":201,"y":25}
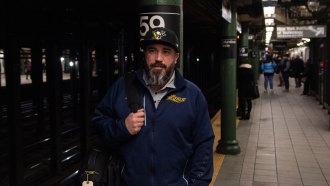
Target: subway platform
{"x":286,"y":142}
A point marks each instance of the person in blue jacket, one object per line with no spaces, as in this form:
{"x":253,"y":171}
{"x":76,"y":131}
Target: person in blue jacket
{"x":169,"y":140}
{"x":268,"y":68}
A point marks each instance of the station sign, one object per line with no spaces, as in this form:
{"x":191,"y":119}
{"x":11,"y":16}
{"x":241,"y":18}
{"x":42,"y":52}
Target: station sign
{"x":311,"y":31}
{"x":229,"y":47}
{"x":154,"y":16}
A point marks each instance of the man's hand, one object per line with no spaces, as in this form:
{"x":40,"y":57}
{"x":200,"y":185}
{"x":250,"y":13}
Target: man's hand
{"x":135,"y":121}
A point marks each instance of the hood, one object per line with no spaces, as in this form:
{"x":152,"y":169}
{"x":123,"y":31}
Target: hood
{"x":245,"y":65}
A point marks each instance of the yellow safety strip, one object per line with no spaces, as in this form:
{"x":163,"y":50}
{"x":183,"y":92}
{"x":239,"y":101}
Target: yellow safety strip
{"x":217,"y":158}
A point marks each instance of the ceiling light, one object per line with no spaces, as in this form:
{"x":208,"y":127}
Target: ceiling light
{"x":269,"y":12}
{"x":313,"y":5}
{"x":269,"y":22}
{"x":269,"y":28}
{"x":306,"y":39}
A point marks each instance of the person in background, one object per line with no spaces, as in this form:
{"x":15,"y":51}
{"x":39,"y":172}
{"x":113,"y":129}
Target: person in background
{"x":307,"y":75}
{"x":268,"y":67}
{"x":245,"y":86}
{"x":286,"y":71}
{"x":169,"y":140}
{"x":279,"y":67}
{"x":298,"y":69}
{"x":27,"y":68}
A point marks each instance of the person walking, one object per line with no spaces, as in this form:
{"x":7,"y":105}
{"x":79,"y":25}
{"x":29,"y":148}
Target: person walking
{"x":169,"y":140}
{"x":286,"y":72}
{"x":27,"y":68}
{"x":307,"y":75}
{"x":245,"y":86}
{"x":268,"y":67}
{"x":298,"y":69}
{"x":278,"y":70}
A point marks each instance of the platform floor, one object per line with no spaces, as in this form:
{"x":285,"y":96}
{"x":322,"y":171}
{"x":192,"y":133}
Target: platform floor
{"x":285,"y":143}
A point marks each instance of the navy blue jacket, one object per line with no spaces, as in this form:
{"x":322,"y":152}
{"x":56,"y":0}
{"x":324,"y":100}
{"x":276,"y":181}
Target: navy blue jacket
{"x":175,"y":147}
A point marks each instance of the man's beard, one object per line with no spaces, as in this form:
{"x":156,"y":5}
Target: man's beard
{"x":159,"y":78}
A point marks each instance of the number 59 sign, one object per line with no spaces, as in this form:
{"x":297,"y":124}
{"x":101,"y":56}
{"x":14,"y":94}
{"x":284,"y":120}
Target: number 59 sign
{"x":167,"y":16}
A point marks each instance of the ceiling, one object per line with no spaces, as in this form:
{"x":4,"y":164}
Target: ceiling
{"x":29,"y":18}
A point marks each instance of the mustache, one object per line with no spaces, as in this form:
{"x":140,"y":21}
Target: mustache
{"x":158,"y":64}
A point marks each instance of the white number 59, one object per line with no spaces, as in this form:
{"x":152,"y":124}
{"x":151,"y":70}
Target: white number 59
{"x":154,"y":22}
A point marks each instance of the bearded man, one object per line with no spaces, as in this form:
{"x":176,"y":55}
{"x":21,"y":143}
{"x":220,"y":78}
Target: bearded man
{"x":169,"y":139}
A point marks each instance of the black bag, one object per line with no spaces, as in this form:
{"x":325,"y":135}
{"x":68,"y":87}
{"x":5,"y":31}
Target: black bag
{"x":255,"y":94}
{"x":101,"y":167}
{"x":104,"y":167}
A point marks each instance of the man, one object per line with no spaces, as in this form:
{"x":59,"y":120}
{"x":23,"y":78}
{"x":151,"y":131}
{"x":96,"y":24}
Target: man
{"x":278,"y":70}
{"x":27,"y":68}
{"x":169,"y":140}
{"x":298,"y":69}
{"x":308,"y":75}
{"x":286,"y":71}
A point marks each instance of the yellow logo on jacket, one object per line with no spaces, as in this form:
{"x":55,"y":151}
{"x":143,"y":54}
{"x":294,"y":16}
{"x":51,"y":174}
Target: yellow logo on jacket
{"x":176,"y":99}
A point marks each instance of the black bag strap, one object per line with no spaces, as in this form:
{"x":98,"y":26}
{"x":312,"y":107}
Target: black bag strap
{"x":132,"y":91}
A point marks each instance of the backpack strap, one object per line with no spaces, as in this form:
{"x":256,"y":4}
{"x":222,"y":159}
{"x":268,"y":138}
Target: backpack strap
{"x":132,"y":91}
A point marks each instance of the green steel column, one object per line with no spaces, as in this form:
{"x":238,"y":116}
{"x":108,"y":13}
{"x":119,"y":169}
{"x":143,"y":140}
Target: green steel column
{"x":162,"y":13}
{"x":244,"y":47}
{"x":244,"y":41}
{"x":228,"y":143}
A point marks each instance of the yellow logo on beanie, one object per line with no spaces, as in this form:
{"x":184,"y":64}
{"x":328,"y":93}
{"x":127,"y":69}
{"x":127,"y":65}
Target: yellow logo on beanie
{"x":176,"y":99}
{"x":158,"y":34}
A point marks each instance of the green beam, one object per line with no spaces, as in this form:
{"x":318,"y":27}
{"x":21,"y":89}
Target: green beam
{"x":244,"y":41}
{"x":228,"y":143}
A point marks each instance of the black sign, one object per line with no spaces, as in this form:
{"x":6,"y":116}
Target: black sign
{"x":229,"y":47}
{"x":243,"y":51}
{"x":166,"y":16}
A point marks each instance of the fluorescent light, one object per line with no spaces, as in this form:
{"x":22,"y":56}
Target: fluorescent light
{"x":269,"y":22}
{"x":306,"y":39}
{"x":313,"y":5}
{"x":269,"y":28}
{"x":269,"y":11}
